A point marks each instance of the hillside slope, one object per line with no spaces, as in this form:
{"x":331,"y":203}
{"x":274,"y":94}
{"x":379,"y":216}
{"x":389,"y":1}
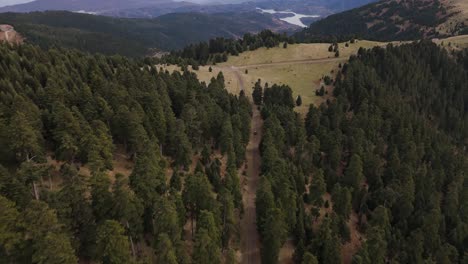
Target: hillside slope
{"x":393,"y":20}
{"x":134,"y":37}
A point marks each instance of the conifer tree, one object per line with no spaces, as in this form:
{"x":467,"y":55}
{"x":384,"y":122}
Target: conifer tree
{"x":164,"y":250}
{"x":111,"y":244}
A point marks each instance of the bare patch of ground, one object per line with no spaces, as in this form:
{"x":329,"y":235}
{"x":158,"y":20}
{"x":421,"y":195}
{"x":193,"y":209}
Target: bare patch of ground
{"x":350,"y":248}
{"x":286,"y":253}
{"x":8,"y":34}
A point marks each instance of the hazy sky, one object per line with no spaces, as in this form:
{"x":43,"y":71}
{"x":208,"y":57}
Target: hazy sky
{"x":13,"y":2}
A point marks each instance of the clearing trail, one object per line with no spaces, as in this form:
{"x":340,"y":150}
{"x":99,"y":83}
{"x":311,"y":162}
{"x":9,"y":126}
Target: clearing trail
{"x":291,"y":62}
{"x":250,"y":239}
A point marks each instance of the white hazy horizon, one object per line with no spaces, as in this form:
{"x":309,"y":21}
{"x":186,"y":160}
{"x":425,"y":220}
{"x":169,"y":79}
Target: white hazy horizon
{"x":13,"y":2}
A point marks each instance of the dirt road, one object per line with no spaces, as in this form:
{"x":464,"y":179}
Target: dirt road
{"x":240,"y":80}
{"x":250,"y":239}
{"x":290,"y":62}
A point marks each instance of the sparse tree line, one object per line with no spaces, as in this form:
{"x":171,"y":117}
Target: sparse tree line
{"x":77,"y":109}
{"x":389,"y":151}
{"x":217,"y":50}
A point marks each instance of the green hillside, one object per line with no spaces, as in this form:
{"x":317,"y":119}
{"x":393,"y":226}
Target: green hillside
{"x":132,"y":37}
{"x":388,"y":20}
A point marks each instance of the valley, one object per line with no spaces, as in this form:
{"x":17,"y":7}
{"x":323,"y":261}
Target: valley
{"x":135,"y":37}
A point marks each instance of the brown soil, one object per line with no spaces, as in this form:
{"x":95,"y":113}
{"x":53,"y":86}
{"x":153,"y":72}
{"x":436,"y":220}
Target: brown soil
{"x":287,"y":252}
{"x":352,"y":247}
{"x":8,"y":34}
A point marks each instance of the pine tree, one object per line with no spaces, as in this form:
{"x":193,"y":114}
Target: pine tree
{"x":9,"y":237}
{"x":299,"y":100}
{"x":43,"y":232}
{"x":127,"y":209}
{"x":197,"y":195}
{"x":264,"y":202}
{"x":102,"y":198}
{"x":148,"y":180}
{"x":111,"y":244}
{"x":180,"y":145}
{"x":317,"y":188}
{"x":25,"y":140}
{"x":341,"y":197}
{"x":226,"y":140}
{"x":354,"y":173}
{"x":100,"y":147}
{"x":327,"y":244}
{"x":164,"y":250}
{"x":309,"y":259}
{"x":75,"y":211}
{"x":206,"y":221}
{"x":54,"y":249}
{"x":166,"y":219}
{"x":257,"y":93}
{"x":273,"y":236}
{"x":176,"y":182}
{"x":206,"y":250}
{"x":377,"y":245}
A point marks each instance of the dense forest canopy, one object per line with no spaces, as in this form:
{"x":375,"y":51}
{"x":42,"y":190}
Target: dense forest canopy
{"x":76,"y":110}
{"x":390,"y":151}
{"x":377,"y":174}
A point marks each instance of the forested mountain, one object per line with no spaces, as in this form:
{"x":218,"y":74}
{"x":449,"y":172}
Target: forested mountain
{"x":134,"y":37}
{"x":384,"y":161}
{"x":390,"y":20}
{"x":63,"y":114}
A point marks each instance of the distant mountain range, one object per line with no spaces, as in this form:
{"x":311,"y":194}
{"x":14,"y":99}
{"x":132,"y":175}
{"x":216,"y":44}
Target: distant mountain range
{"x":135,"y":37}
{"x":154,"y":8}
{"x":112,"y":27}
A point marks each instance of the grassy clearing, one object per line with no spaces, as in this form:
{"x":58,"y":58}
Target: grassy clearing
{"x":457,"y":42}
{"x":304,"y":79}
{"x":287,"y":66}
{"x":283,"y":66}
{"x":297,"y":52}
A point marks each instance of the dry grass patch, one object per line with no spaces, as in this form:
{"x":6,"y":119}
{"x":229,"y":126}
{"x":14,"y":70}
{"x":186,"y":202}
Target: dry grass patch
{"x":304,"y":79}
{"x":457,"y":42}
{"x":301,"y":66}
{"x":297,"y":52}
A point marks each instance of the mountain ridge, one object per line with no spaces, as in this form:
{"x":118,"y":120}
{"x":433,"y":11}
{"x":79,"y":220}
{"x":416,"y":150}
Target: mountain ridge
{"x":151,"y":8}
{"x":393,"y":20}
{"x":135,"y":37}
